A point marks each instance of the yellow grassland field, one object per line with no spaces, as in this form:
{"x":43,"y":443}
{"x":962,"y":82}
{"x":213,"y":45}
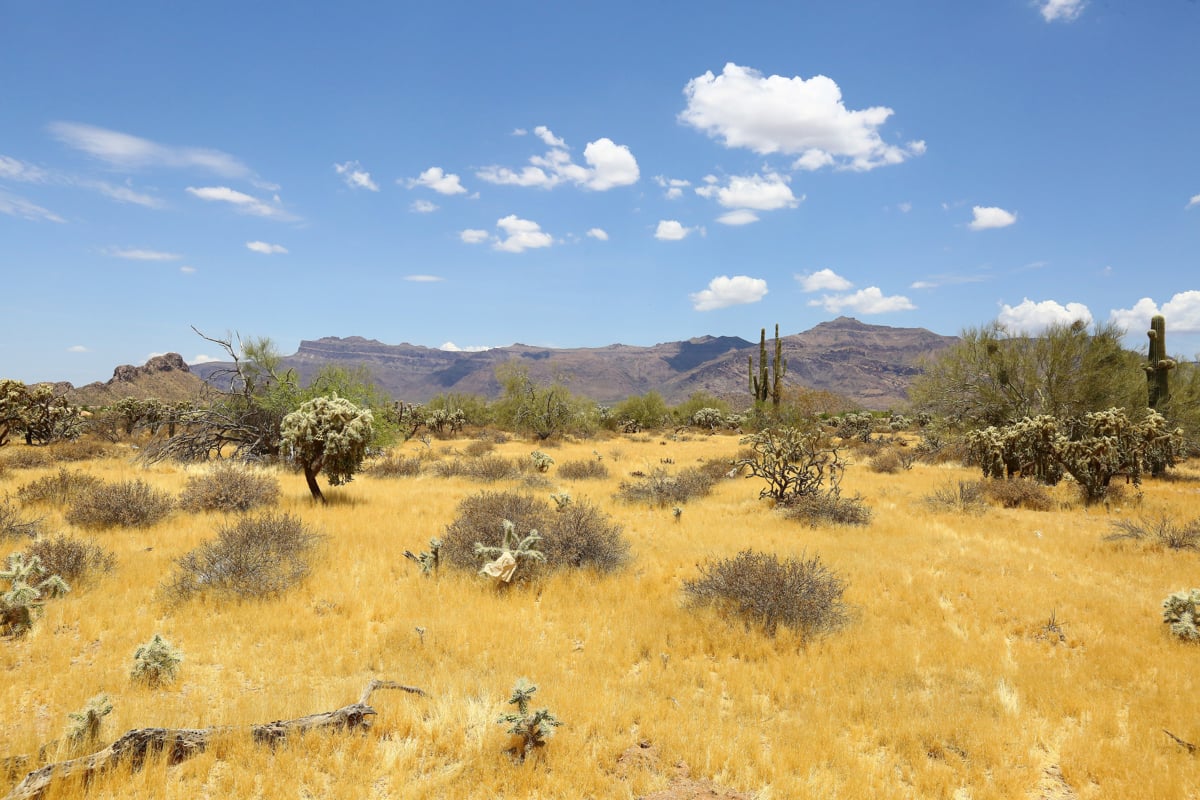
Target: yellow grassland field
{"x":946,"y":684}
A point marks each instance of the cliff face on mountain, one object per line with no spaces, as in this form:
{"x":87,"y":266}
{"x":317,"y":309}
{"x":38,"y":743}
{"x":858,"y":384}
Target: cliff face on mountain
{"x":164,"y":377}
{"x":871,"y":365}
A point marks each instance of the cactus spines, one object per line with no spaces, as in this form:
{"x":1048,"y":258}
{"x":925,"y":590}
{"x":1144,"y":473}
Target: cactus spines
{"x":768,"y":383}
{"x":1158,"y":367}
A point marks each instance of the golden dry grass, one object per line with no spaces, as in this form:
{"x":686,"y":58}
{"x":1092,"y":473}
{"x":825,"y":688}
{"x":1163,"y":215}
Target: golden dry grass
{"x":941,"y":687}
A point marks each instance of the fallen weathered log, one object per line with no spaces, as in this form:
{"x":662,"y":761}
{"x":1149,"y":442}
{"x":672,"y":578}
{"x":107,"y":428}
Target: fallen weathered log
{"x":180,"y":744}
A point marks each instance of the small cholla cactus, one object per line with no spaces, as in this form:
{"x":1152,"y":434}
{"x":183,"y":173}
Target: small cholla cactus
{"x":1181,"y":611}
{"x":22,"y":604}
{"x":677,"y":512}
{"x":541,"y":461}
{"x":156,"y":662}
{"x":509,"y":555}
{"x":84,"y":727}
{"x":428,"y":561}
{"x":561,"y":501}
{"x":534,"y":728}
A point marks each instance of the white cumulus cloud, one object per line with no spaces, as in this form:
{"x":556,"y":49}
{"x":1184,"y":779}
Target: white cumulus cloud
{"x":757,"y":192}
{"x":520,"y":235}
{"x":870,"y":300}
{"x":673,"y":186}
{"x":1195,"y":201}
{"x":1064,"y":10}
{"x":792,"y":116}
{"x":724,"y":291}
{"x":598,"y":233}
{"x":671,"y":230}
{"x":473,"y":236}
{"x":247,"y":204}
{"x":823,"y":280}
{"x":1034,"y":317}
{"x":609,"y":165}
{"x":423,"y":207}
{"x":1182,"y":312}
{"x":439,"y":180}
{"x":200,"y":358}
{"x":990,"y":217}
{"x":266,"y":248}
{"x":451,"y":347}
{"x":355,"y":176}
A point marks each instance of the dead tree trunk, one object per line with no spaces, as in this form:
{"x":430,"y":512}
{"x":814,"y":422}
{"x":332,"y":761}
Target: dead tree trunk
{"x":180,"y":744}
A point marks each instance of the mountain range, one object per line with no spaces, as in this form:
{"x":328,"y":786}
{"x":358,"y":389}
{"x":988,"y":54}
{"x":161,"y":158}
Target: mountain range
{"x":870,"y":365}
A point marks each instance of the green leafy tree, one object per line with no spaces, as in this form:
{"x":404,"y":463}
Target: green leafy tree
{"x":641,"y":412}
{"x":538,"y":409}
{"x":330,"y":435}
{"x":995,"y":376}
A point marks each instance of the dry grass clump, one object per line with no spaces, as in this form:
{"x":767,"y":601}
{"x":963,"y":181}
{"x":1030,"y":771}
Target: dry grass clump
{"x":487,"y":469}
{"x":825,"y":508}
{"x":75,"y":560}
{"x":959,"y":497}
{"x":1019,"y":493}
{"x":582,"y":470}
{"x":479,"y":447}
{"x":59,"y":489}
{"x":254,"y":557}
{"x":87,"y":449}
{"x":395,"y":466}
{"x":126,"y":504}
{"x":1160,"y":532}
{"x":229,"y":487}
{"x":17,"y":457}
{"x":891,"y":460}
{"x":579,"y":535}
{"x":14,"y":524}
{"x":758,"y":588}
{"x":662,"y":488}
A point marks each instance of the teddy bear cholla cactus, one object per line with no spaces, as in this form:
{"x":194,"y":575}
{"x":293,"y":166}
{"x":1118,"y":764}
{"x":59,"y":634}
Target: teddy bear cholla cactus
{"x":1181,"y":611}
{"x":510,"y":553}
{"x":24,"y":600}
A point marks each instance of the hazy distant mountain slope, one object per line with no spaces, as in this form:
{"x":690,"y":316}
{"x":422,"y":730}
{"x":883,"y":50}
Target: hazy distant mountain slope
{"x":869,"y":364}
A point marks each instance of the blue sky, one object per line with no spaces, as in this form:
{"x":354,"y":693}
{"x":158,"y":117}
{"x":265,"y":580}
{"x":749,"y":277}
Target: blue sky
{"x":467,"y":175}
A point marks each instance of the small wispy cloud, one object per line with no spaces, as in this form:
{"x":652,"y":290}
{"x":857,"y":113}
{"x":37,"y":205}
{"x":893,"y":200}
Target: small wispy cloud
{"x":244,"y":203}
{"x":141,"y":254}
{"x":439,"y":180}
{"x":133,"y":152}
{"x":609,"y":165}
{"x":598,"y":233}
{"x":451,"y":347}
{"x":78,"y":348}
{"x":266,"y":248}
{"x":355,"y":176}
{"x":423,"y":278}
{"x":15,"y":206}
{"x":423,"y":207}
{"x":187,"y":269}
{"x":672,"y":230}
{"x":1195,"y":201}
{"x":1061,"y":10}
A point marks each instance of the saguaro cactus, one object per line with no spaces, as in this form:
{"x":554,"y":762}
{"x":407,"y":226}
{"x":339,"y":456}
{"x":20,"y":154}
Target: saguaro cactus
{"x":1159,"y":366}
{"x":769,"y":380}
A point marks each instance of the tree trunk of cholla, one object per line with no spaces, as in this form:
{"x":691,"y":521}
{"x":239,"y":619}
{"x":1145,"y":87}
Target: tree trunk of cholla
{"x":310,"y":475}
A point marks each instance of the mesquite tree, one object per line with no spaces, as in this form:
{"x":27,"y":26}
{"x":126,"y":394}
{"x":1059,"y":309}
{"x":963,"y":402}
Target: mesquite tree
{"x":330,"y":435}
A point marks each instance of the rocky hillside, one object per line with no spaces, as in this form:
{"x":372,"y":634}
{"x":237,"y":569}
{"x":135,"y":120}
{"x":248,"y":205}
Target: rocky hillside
{"x":164,"y":377}
{"x":869,"y":364}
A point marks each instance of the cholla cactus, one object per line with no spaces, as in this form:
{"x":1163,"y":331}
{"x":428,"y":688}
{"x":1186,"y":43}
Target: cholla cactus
{"x":22,"y":604}
{"x":541,"y":461}
{"x":561,"y":501}
{"x":84,"y":727}
{"x":156,"y":662}
{"x":330,"y":435}
{"x":430,"y":560}
{"x":1181,"y":611}
{"x":533,"y":729}
{"x":510,"y":553}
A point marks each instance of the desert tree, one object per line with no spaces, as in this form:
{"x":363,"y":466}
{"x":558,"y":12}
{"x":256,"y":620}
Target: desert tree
{"x":14,"y":395}
{"x":49,"y":417}
{"x":542,"y":410}
{"x":330,"y":435}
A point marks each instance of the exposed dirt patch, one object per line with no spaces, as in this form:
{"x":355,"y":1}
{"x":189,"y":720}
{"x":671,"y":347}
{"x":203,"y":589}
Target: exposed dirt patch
{"x":644,"y":756}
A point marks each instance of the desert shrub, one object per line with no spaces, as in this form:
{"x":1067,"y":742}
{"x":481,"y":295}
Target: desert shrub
{"x":127,"y":504}
{"x":81,"y":450}
{"x":1161,"y":532}
{"x":889,"y":461}
{"x":395,"y":466}
{"x":961,"y":497}
{"x":663,"y":488}
{"x":59,"y":489}
{"x":14,"y":524}
{"x":800,"y":594}
{"x":229,"y":487}
{"x":583,"y":470}
{"x":479,"y":447}
{"x":155,"y":663}
{"x":1019,"y":493}
{"x":718,"y":469}
{"x":255,"y":557}
{"x":17,"y":457}
{"x":580,"y":535}
{"x":487,"y":468}
{"x":1181,"y":611}
{"x":74,"y":559}
{"x":829,"y":509}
